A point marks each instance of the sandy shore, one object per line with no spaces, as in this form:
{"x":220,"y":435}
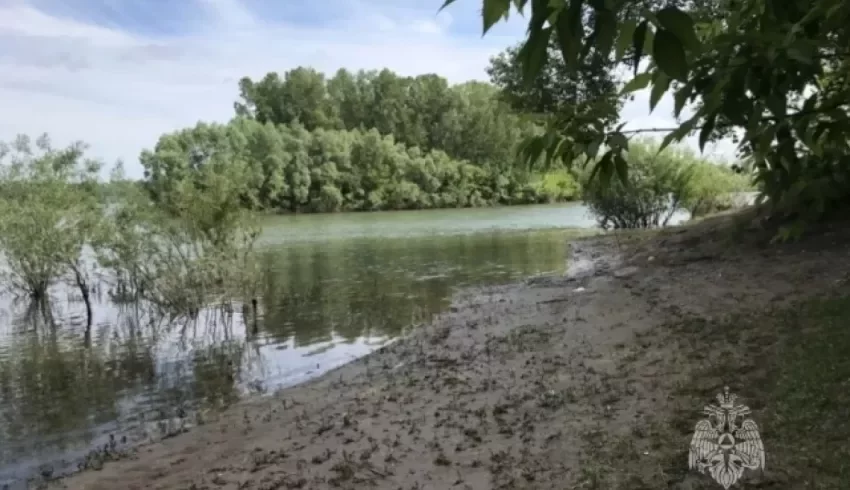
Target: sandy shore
{"x":561,"y":382}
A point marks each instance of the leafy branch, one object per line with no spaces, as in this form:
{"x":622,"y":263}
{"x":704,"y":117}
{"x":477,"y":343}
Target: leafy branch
{"x":745,"y":63}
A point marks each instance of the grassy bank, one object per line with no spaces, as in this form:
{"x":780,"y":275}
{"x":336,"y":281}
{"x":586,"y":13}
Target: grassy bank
{"x":790,"y":364}
{"x":807,"y":407}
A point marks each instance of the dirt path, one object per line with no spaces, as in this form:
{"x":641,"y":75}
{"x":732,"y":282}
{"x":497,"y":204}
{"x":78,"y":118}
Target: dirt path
{"x":554,"y":383}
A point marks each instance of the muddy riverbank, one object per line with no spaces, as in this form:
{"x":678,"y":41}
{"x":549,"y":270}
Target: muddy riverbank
{"x":593,"y":380}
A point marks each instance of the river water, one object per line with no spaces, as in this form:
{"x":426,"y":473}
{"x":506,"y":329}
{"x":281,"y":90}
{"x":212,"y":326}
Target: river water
{"x":336,"y":287}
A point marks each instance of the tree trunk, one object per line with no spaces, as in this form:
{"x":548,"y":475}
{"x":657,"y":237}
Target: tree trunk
{"x":255,"y":327}
{"x":673,"y":207}
{"x":84,"y":291}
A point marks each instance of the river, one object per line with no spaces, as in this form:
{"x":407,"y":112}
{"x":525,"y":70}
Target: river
{"x":335,"y":287}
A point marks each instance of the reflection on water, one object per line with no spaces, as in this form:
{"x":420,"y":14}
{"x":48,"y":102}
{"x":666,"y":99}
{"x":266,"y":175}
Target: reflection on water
{"x":333,"y":291}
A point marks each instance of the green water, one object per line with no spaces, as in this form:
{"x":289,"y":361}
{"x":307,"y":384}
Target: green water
{"x":335,"y":288}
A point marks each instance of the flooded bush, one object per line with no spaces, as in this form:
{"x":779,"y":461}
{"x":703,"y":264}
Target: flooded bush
{"x":58,"y":224}
{"x":193,"y":246}
{"x":48,"y":212}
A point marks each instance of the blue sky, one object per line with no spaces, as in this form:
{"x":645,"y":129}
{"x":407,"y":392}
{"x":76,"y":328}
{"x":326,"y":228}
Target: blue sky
{"x":119,"y":73}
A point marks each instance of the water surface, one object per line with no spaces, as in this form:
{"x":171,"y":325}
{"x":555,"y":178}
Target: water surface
{"x":335,"y":287}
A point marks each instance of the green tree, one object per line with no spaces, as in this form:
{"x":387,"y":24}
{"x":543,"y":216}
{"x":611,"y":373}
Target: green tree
{"x":301,"y":96}
{"x":714,"y":188}
{"x":557,"y":88}
{"x":757,"y":67}
{"x":481,"y":129}
{"x":49,"y":210}
{"x":196,"y":242}
{"x":287,"y":168}
{"x":467,"y":121}
{"x":350,"y":95}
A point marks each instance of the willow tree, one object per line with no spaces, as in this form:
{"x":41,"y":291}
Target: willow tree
{"x":48,"y":212}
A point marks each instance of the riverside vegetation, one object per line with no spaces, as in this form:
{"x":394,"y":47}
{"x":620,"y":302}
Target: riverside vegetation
{"x":181,"y":242}
{"x":301,"y":143}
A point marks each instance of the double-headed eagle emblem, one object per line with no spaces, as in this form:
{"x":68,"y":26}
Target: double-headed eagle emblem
{"x":726,"y":442}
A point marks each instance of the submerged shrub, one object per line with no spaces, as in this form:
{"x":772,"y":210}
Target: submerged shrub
{"x":59,"y":223}
{"x":49,"y":211}
{"x":191,"y":247}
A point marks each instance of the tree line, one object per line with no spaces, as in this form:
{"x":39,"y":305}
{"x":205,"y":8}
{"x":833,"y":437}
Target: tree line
{"x":289,"y":168}
{"x":375,"y":140}
{"x":364,"y":141}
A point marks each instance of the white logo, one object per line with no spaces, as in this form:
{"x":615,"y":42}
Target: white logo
{"x":723,"y":446}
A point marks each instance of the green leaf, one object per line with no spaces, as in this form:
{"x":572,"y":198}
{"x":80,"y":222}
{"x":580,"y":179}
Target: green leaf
{"x":533,"y":53}
{"x":677,"y":134}
{"x":605,"y":30}
{"x":624,"y":40}
{"x":540,"y":14}
{"x":638,"y":41}
{"x":593,"y":147}
{"x":681,"y":25}
{"x":669,"y":55}
{"x":622,"y":168}
{"x":778,"y":104}
{"x":570,"y":32}
{"x":493,"y":11}
{"x":765,"y":140}
{"x":717,"y":98}
{"x":532,"y":149}
{"x":647,"y":42}
{"x":659,"y":87}
{"x":553,"y":146}
{"x":602,"y":168}
{"x":639,"y":82}
{"x":802,"y":52}
{"x":618,"y":140}
{"x":446,"y":4}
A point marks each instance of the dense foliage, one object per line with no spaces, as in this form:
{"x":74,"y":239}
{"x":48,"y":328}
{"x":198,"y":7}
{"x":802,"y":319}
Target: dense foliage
{"x":772,"y":72}
{"x":192,"y":249}
{"x":658,"y":186}
{"x":590,"y":89}
{"x":378,"y":141}
{"x":48,"y":214}
{"x":56,"y":225}
{"x":287,"y":167}
{"x":466,"y":121}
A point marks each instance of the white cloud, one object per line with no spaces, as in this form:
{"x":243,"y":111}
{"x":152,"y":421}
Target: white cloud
{"x":21,"y":19}
{"x":120,"y":91}
{"x":230,"y":13}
